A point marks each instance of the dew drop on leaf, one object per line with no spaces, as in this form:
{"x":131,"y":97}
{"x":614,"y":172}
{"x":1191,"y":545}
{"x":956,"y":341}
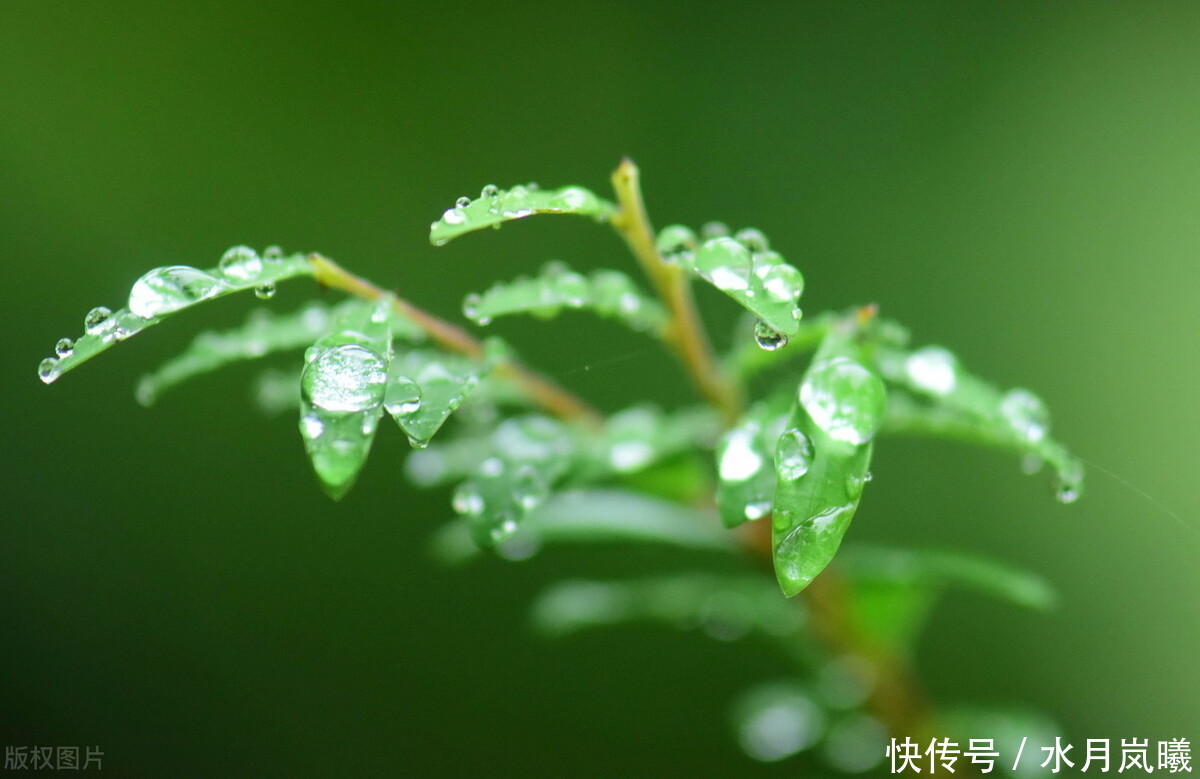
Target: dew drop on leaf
{"x":345,"y":378}
{"x":738,"y":461}
{"x":403,"y":396}
{"x":272,"y":254}
{"x":265,"y":291}
{"x":768,"y":338}
{"x":1026,"y":414}
{"x":240,"y":264}
{"x":65,"y":347}
{"x":165,"y":290}
{"x":752,"y":239}
{"x":932,"y":369}
{"x":844,"y":399}
{"x":98,"y":321}
{"x":48,"y":370}
{"x":462,"y":202}
{"x":793,"y":454}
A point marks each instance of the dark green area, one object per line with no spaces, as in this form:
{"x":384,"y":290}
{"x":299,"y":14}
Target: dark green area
{"x":1017,"y":181}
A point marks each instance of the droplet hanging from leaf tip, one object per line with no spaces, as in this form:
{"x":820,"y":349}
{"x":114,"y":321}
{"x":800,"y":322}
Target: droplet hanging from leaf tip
{"x":265,"y":291}
{"x":48,"y":370}
{"x":768,"y":338}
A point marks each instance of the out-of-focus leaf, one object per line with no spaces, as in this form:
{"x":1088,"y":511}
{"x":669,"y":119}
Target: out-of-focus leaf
{"x":727,"y":607}
{"x":777,"y":720}
{"x":596,"y":516}
{"x":608,"y":293}
{"x":745,"y":461}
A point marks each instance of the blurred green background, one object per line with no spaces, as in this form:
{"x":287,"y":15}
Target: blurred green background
{"x":1017,"y":181}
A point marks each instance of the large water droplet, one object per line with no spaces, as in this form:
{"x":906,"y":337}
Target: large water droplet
{"x":844,"y":399}
{"x":345,"y":378}
{"x":164,"y":290}
{"x":725,"y":262}
{"x":403,"y":396}
{"x":768,"y":338}
{"x":98,"y":321}
{"x":738,"y":459}
{"x":793,"y":454}
{"x":932,"y":369}
{"x":241,"y":264}
{"x":48,"y":370}
{"x":65,"y":347}
{"x":1026,"y":414}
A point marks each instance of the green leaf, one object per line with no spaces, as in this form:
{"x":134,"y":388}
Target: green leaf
{"x":425,"y":387}
{"x":495,"y":206}
{"x":726,"y":606}
{"x":930,"y":568}
{"x":956,"y":404}
{"x":263,"y":333}
{"x":822,"y":459}
{"x":276,"y":391}
{"x":342,"y":387}
{"x":528,"y":455}
{"x":595,"y":516}
{"x":164,"y":291}
{"x":608,"y":293}
{"x":745,"y":269}
{"x":745,"y":455}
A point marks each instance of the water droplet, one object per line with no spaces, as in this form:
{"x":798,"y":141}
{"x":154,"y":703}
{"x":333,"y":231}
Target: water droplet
{"x":783,"y":283}
{"x":462,"y":202}
{"x":752,"y":239}
{"x":126,"y":324}
{"x":714,"y":230}
{"x":165,"y":290}
{"x":738,"y":459}
{"x":265,"y":291}
{"x":470,"y":306}
{"x":403,"y":396}
{"x":504,"y":530}
{"x":1066,"y":492}
{"x":467,"y":500}
{"x":724,"y":262}
{"x":453,"y":216}
{"x":98,"y":321}
{"x":272,"y":254}
{"x":793,"y":454}
{"x":241,"y":263}
{"x":932,"y":369}
{"x":788,"y":725}
{"x":675,"y":242}
{"x":1025,"y":414}
{"x":768,"y":338}
{"x":311,"y":426}
{"x":844,"y":399}
{"x":48,"y":369}
{"x":345,"y":378}
{"x":65,"y":347}
{"x":528,"y":488}
{"x":758,"y":510}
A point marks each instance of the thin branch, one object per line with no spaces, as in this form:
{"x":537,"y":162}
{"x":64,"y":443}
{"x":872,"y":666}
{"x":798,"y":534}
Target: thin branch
{"x":684,"y":333}
{"x":541,"y":390}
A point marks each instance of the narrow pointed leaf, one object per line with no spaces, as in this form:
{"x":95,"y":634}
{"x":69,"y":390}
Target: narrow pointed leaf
{"x":164,"y":291}
{"x":495,"y":206}
{"x":342,"y":386}
{"x":425,"y":387}
{"x":263,"y":333}
{"x":822,"y":459}
{"x":956,"y":404}
{"x":608,"y":293}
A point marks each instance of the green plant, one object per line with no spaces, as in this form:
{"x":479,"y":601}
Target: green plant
{"x":778,"y":450}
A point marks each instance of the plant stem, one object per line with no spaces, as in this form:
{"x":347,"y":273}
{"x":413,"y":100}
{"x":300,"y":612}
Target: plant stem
{"x":685,"y":333}
{"x":545,"y":393}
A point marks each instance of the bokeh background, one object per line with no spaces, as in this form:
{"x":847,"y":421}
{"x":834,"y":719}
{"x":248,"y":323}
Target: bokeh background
{"x":1017,"y":181}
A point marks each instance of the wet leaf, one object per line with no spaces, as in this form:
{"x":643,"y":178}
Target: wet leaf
{"x":495,"y":206}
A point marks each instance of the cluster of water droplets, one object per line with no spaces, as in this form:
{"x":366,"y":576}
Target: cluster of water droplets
{"x":495,"y":206}
{"x":744,"y":267}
